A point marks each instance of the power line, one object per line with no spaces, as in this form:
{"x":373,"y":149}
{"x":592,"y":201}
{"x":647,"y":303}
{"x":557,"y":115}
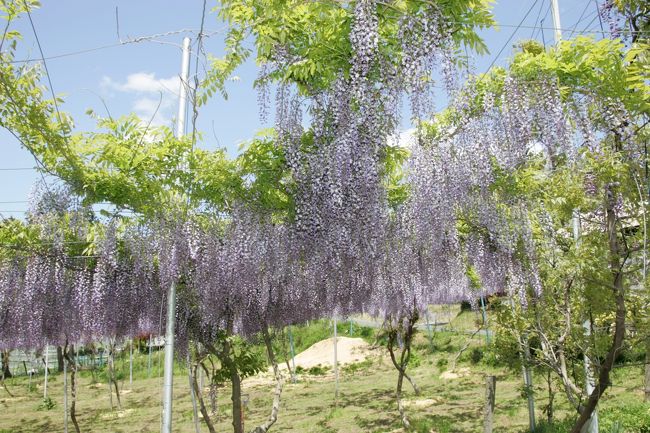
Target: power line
{"x":541,"y":6}
{"x":47,"y":72}
{"x":580,"y":19}
{"x":509,"y":39}
{"x":138,"y":39}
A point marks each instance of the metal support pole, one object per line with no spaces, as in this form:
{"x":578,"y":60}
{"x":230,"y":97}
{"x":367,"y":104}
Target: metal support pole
{"x":485,"y":321}
{"x":168,"y":381}
{"x":527,"y":374}
{"x":131,"y":363}
{"x":149,"y":360}
{"x":426,"y":316}
{"x":336,"y":365}
{"x":47,"y":361}
{"x":528,"y":382}
{"x":293,"y":356}
{"x":65,"y":395}
{"x":590,"y":426}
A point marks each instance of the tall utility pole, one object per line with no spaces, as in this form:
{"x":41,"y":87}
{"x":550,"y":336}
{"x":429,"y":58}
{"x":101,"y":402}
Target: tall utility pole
{"x":592,"y":425}
{"x":168,"y":382}
{"x":556,"y":21}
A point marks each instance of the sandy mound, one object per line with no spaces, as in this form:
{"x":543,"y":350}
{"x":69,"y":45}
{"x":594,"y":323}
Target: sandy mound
{"x":117,"y":414}
{"x":422,"y":403}
{"x":349,"y":350}
{"x":450,"y":374}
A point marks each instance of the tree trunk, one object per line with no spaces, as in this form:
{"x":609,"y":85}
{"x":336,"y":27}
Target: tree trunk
{"x":275,"y":408}
{"x":402,"y":365}
{"x":111,"y":376}
{"x":69,"y":357}
{"x":400,"y":404}
{"x":199,"y":395}
{"x":490,"y":398}
{"x":616,"y":264}
{"x":6,"y":372}
{"x":59,"y":359}
{"x":237,"y":414}
{"x":235,"y":380}
{"x":551,"y":398}
{"x":416,"y":388}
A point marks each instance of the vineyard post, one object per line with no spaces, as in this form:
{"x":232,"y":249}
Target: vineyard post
{"x":293,"y":356}
{"x":336,"y":366}
{"x":429,"y":331}
{"x":47,"y":359}
{"x":65,"y":396}
{"x":131,"y":363}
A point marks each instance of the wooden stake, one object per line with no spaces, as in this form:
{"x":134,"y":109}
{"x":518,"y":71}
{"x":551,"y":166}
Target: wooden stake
{"x":490,"y":394}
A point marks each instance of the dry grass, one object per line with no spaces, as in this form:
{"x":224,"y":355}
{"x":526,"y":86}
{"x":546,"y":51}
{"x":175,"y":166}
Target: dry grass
{"x":366,"y":402}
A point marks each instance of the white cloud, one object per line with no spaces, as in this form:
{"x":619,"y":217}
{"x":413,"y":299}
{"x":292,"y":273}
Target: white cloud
{"x":155,"y":96}
{"x":152,"y":109}
{"x":143,"y":82}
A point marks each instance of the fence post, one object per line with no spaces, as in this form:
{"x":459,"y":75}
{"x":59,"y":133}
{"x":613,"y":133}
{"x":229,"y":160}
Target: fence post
{"x":490,"y":393}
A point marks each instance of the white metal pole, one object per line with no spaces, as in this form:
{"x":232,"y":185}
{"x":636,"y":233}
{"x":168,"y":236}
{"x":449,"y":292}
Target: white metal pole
{"x":592,"y":425}
{"x":528,"y":381}
{"x":65,"y":395}
{"x":557,"y":26}
{"x":47,"y":362}
{"x":168,"y":381}
{"x":526,"y":373}
{"x":131,"y":363}
{"x":293,"y":356}
{"x":429,"y":332}
{"x":149,"y":360}
{"x":336,"y":365}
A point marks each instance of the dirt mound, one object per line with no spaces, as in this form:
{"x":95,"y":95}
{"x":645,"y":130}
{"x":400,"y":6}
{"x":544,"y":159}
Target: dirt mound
{"x":349,"y":350}
{"x":450,"y":374}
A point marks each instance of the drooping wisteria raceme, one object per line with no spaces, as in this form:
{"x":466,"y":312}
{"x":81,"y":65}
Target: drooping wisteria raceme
{"x":55,"y":290}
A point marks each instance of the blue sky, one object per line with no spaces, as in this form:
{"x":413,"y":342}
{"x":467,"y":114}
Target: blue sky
{"x":135,"y":77}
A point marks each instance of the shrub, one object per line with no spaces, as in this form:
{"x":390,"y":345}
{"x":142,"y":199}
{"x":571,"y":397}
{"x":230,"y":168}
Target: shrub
{"x":318,"y":370}
{"x":476,"y":355}
{"x":625,"y":418}
{"x":46,"y":404}
{"x":414,"y":360}
{"x":358,"y":366}
{"x":628,"y":418}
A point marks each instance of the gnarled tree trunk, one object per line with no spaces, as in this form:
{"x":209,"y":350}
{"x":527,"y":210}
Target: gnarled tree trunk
{"x":616,"y":264}
{"x":68,"y":354}
{"x":275,"y":408}
{"x":6,"y":372}
{"x":59,"y":359}
{"x":404,"y":357}
{"x":199,"y":395}
{"x":112,"y":382}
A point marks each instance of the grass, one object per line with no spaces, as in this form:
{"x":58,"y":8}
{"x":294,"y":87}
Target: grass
{"x":365,"y":404}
